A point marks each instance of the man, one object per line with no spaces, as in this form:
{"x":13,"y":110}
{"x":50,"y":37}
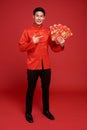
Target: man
{"x":35,"y":41}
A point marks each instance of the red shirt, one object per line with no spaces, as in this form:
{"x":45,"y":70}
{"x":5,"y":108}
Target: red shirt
{"x":37,"y":54}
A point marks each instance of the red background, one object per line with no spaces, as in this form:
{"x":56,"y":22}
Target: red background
{"x":69,"y":68}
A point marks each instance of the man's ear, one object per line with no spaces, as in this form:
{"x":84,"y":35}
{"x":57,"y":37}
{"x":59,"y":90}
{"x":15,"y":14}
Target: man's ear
{"x":44,"y":17}
{"x":33,"y":16}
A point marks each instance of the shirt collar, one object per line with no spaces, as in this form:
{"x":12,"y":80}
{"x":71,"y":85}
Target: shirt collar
{"x":36,"y":26}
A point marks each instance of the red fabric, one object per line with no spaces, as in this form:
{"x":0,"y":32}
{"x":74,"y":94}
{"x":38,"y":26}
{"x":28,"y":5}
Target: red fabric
{"x":38,"y":52}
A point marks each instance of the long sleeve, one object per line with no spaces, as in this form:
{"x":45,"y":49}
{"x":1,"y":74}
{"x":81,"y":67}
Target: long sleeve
{"x":25,"y":44}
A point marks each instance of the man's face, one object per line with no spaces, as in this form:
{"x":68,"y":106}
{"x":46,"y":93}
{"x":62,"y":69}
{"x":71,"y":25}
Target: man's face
{"x":38,"y":17}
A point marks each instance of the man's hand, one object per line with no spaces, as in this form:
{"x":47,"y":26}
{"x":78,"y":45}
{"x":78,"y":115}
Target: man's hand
{"x":36,"y":39}
{"x":61,"y":41}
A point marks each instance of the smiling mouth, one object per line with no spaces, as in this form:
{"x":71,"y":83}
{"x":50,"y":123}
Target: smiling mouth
{"x":38,"y":21}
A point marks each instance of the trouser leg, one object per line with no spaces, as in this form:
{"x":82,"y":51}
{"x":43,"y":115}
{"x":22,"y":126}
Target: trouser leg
{"x":32,"y":77}
{"x":45,"y":80}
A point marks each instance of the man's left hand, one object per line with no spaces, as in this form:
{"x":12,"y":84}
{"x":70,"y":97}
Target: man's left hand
{"x":61,"y":41}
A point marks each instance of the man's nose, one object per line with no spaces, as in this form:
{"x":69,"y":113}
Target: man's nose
{"x":38,"y":17}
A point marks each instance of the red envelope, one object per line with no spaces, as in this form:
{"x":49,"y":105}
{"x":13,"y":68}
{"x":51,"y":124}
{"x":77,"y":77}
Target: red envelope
{"x":59,"y":30}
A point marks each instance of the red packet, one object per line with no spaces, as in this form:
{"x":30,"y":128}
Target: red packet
{"x":59,"y":30}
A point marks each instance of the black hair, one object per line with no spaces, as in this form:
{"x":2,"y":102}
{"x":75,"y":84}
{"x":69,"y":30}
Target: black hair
{"x":38,"y":9}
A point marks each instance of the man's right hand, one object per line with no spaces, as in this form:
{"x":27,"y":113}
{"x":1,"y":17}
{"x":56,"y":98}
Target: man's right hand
{"x":36,"y":39}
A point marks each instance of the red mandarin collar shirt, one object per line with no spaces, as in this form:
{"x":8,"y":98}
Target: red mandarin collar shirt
{"x":37,"y":54}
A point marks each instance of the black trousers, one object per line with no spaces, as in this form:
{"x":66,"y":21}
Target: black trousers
{"x":32,"y":75}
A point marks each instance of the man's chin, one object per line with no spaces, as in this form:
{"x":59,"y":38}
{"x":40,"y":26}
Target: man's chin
{"x":39,"y":24}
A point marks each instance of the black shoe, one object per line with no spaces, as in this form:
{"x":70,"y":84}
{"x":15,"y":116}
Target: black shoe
{"x":29,"y":118}
{"x":48,"y":115}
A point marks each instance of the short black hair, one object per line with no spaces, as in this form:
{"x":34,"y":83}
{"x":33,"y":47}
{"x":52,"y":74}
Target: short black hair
{"x":39,"y":9}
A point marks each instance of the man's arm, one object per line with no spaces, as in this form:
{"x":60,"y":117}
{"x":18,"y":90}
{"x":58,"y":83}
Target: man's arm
{"x":56,"y":46}
{"x":25,"y":43}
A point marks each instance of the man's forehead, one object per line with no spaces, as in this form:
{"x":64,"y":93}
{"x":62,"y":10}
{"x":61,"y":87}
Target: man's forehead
{"x":39,"y":13}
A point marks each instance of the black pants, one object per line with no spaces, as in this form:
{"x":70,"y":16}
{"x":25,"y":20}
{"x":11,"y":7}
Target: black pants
{"x":45,"y":75}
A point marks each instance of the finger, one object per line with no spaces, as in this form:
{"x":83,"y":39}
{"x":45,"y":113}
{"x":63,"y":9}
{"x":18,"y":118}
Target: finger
{"x":39,"y":36}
